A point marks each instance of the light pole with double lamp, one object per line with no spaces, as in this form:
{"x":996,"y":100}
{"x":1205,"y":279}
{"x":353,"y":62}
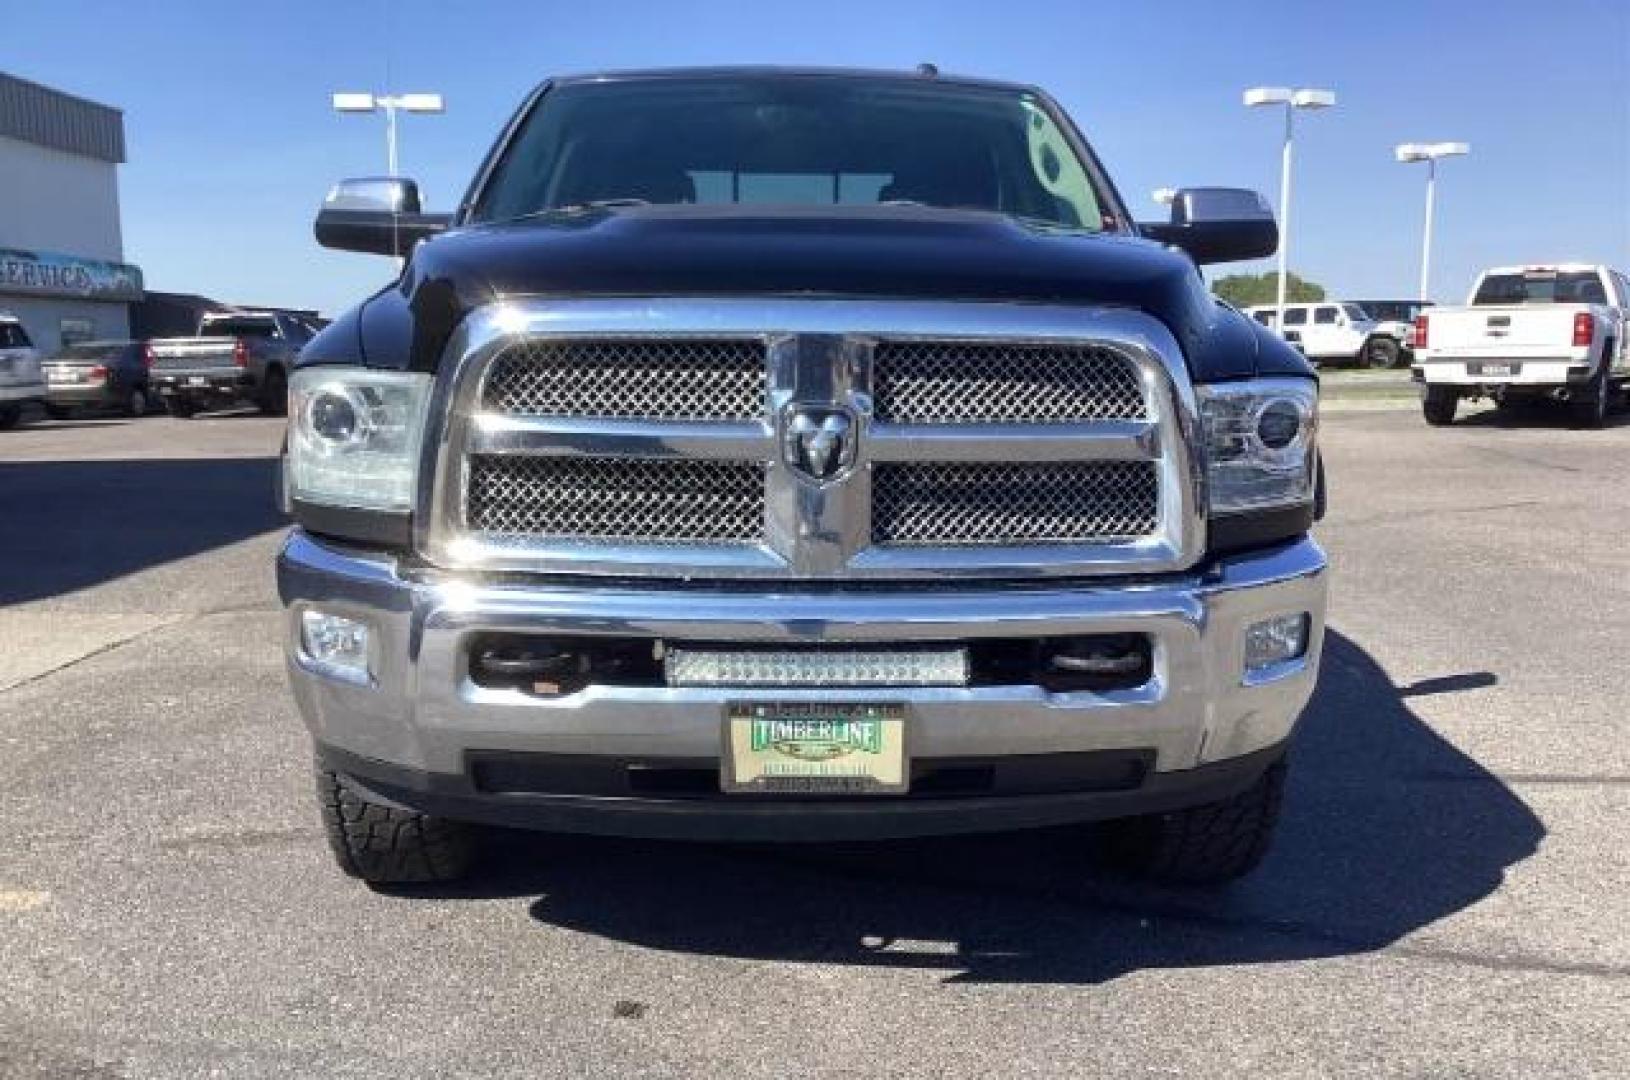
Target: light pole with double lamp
{"x":1291,"y":100}
{"x":1409,"y":153}
{"x":391,"y":104}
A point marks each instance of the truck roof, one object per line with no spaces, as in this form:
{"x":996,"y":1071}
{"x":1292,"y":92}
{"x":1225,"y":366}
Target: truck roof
{"x":726,"y":71}
{"x":1546,"y":268}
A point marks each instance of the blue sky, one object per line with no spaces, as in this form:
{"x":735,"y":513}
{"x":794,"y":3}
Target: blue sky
{"x":232,"y":142}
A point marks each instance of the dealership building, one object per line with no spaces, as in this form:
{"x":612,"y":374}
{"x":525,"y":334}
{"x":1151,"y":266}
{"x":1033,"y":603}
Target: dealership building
{"x":62,"y":268}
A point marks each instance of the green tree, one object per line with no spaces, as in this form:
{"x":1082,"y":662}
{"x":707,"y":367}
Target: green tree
{"x":1244,"y":290}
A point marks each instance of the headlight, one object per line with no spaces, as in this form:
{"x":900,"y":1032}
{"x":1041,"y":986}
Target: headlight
{"x":354,"y":436}
{"x":1259,"y":443}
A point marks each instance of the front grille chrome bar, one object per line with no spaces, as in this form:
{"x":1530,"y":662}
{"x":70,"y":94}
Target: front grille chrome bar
{"x":1106,"y":440}
{"x":489,"y":434}
{"x":818,"y":358}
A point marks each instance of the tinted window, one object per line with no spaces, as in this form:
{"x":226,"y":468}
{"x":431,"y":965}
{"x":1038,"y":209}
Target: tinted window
{"x":242,"y":327}
{"x":1391,"y":310}
{"x":13,"y":337}
{"x":794,"y":140}
{"x":1570,"y":287}
{"x":1264,"y":317}
{"x":1324,"y":315}
{"x":1356,"y":313}
{"x":1296,"y":316}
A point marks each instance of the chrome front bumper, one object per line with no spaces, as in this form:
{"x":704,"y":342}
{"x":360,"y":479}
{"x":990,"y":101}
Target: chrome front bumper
{"x":422,"y":716}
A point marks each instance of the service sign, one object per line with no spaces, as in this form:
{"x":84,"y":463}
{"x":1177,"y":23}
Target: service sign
{"x":46,"y":273}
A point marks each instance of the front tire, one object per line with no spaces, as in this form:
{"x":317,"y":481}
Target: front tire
{"x":136,"y":403}
{"x":274,"y":393}
{"x":1381,"y":352}
{"x":390,"y":845}
{"x":1438,"y":405}
{"x":1209,"y":844}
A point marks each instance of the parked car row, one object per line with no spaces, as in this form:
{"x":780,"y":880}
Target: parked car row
{"x":234,"y":358}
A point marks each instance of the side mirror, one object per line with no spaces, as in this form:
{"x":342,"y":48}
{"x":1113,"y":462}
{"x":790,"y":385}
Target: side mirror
{"x":1218,"y":225}
{"x":379,"y":215}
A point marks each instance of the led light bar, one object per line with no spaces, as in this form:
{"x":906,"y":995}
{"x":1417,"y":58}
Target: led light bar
{"x":812,"y":667}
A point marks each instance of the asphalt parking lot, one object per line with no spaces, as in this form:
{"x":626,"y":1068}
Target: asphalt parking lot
{"x":1450,"y":894}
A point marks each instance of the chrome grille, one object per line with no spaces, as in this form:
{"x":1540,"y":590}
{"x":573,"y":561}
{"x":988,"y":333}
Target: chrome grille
{"x":1076,"y":502}
{"x":953,"y":382}
{"x":676,"y":437}
{"x":675,"y":379}
{"x":613,"y":500}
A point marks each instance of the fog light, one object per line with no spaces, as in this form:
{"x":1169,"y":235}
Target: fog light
{"x":1276,"y":640}
{"x":335,"y":645}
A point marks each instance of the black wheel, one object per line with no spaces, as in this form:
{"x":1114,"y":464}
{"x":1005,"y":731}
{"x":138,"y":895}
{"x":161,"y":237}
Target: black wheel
{"x":1381,"y":352}
{"x":274,"y":393}
{"x":1590,"y":408}
{"x":1439,"y":403}
{"x":183,"y":407}
{"x":58,"y":412}
{"x":1203,"y":845}
{"x":9,"y":415}
{"x":136,"y":402}
{"x":386,"y":845}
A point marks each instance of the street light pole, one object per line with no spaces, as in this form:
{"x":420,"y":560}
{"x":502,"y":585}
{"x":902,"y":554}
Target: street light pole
{"x":1291,"y":100}
{"x":1429,"y":153}
{"x":1426,"y":231}
{"x":1284,"y":216}
{"x":390,"y":134}
{"x":390,"y":105}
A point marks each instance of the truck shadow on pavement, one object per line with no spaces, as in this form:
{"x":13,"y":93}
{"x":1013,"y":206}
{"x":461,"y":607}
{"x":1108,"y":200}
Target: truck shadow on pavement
{"x":1540,"y":415}
{"x":69,"y":525}
{"x":1388,"y":829}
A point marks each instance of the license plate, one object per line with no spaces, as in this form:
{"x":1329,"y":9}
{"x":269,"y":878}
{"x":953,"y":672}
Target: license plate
{"x":197,"y":380}
{"x":1501,"y":370}
{"x":63,"y":377}
{"x":801,"y":748}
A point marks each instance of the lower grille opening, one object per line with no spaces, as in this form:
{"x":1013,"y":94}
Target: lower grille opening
{"x":696,"y":778}
{"x":552,"y":666}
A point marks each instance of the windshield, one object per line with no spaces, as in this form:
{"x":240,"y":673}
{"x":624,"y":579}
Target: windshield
{"x":1567,"y":287}
{"x":236,"y":328}
{"x":794,"y":141}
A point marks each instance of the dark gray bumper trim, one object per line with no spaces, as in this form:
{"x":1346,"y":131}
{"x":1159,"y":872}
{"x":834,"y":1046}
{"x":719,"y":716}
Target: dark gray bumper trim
{"x":800,"y":821}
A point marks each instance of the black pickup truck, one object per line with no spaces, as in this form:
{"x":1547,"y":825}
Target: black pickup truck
{"x":792,"y":455}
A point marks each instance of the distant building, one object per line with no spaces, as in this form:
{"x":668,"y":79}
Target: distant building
{"x":62,"y":268}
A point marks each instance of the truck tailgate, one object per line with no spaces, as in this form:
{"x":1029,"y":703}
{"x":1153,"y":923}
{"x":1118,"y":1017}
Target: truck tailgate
{"x":1515,"y":331}
{"x":194,"y":354}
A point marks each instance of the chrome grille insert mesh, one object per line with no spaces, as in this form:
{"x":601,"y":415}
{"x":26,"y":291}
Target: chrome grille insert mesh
{"x":673,"y":379}
{"x":611,"y":500}
{"x":950,"y":382}
{"x":1085,"y":502}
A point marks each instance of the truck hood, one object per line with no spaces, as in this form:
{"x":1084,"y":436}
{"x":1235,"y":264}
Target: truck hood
{"x":882,"y":251}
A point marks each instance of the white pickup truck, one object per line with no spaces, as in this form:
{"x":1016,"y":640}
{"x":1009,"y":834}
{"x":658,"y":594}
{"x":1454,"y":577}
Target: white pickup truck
{"x":1555,"y":332}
